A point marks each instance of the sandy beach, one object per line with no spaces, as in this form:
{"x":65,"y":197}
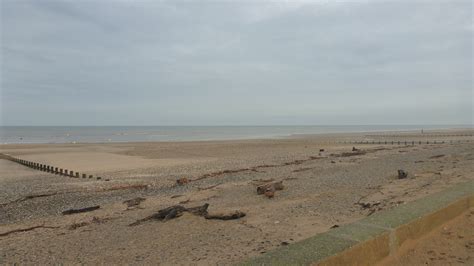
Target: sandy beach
{"x":326,"y":184}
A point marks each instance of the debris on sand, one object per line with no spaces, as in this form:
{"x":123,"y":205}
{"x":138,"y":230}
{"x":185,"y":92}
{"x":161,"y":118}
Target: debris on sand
{"x":133,"y":203}
{"x":27,"y":229}
{"x":125,"y":187}
{"x":373,"y":207}
{"x":87,"y":209}
{"x":268,"y":189}
{"x":178,"y":210}
{"x":182,"y":181}
{"x":354,"y":152}
{"x":402,"y":174}
{"x":28,"y":197}
{"x":231,"y":216}
{"x":269,"y":194}
{"x":74,"y":226}
{"x":437,"y":156}
{"x":334,"y":226}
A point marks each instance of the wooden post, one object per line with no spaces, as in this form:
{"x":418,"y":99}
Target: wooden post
{"x":71,"y":173}
{"x":77,"y":174}
{"x":83,"y":175}
{"x":90,"y":176}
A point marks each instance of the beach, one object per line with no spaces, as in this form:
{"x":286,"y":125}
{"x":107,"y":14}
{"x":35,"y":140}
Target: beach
{"x":327,"y":182}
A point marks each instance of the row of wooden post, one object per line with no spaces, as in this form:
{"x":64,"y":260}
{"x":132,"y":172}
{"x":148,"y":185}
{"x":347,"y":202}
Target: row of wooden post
{"x":403,"y":142}
{"x":49,"y":168}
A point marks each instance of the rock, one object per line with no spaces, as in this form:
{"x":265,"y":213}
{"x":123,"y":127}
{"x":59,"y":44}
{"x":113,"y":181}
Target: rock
{"x":355,"y":149}
{"x":271,"y":186}
{"x":182,"y":181}
{"x":269,"y":194}
{"x":402,"y":174}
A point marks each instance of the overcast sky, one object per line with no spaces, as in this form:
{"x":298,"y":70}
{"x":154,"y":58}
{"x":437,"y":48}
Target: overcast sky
{"x":236,"y":63}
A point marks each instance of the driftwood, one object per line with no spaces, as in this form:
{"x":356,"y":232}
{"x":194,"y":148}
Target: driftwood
{"x":178,"y":210}
{"x":437,"y":156}
{"x":27,"y":229}
{"x":231,"y":216}
{"x":87,"y":209}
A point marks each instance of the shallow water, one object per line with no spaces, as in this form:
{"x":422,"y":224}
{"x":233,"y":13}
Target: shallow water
{"x":94,"y":134}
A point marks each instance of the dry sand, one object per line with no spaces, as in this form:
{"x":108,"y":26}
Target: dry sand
{"x":321,"y":190}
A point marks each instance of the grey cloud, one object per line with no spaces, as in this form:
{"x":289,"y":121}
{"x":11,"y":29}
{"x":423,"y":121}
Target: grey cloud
{"x":148,"y":62}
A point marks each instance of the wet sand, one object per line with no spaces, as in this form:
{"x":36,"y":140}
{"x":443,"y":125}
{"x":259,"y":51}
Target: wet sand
{"x":322,"y":189}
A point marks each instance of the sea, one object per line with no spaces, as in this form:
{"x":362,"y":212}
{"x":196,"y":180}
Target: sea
{"x":101,"y":134}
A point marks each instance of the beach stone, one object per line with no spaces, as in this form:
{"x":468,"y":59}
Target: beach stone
{"x":402,"y":174}
{"x":182,"y":181}
{"x":270,"y":194}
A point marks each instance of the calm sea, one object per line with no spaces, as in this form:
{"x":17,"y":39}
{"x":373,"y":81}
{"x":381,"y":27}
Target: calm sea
{"x":94,"y":134}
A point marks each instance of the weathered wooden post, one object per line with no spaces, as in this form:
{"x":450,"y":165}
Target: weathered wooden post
{"x":71,"y":173}
{"x":60,"y":171}
{"x":56,"y":170}
{"x":77,"y":174}
{"x":83,"y":175}
{"x":90,"y":176}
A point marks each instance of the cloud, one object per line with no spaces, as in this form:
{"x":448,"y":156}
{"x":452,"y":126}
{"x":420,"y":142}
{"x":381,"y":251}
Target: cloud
{"x":305,"y":62}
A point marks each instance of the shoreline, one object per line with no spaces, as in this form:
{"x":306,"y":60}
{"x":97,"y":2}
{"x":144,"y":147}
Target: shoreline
{"x":427,"y":132}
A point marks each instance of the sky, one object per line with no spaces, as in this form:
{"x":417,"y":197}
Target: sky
{"x":125,"y":62}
